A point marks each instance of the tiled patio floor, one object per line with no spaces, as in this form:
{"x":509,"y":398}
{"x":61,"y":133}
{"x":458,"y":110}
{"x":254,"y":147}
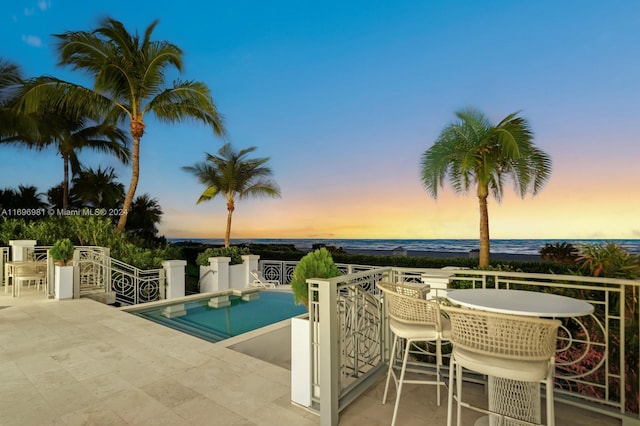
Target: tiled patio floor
{"x":79,"y":362}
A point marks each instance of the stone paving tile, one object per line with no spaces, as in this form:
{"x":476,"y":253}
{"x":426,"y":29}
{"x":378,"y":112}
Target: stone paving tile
{"x":77,"y":362}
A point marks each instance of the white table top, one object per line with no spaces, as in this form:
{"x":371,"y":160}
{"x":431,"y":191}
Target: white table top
{"x":520,"y":302}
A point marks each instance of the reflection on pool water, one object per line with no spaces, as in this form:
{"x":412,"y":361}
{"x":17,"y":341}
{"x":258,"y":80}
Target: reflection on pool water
{"x":218,"y":318}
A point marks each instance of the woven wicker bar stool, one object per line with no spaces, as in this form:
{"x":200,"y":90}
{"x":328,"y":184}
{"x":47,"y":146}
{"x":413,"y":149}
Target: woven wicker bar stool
{"x":413,"y":319}
{"x":516,"y":352}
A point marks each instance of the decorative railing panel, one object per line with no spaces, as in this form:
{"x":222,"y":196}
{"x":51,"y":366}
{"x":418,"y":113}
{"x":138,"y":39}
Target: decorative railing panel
{"x":93,"y":267}
{"x":360,"y":324}
{"x":133,"y":285}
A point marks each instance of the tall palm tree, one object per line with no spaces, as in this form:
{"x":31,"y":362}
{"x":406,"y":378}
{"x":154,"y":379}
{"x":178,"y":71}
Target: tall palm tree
{"x":14,"y":125}
{"x":69,"y":136}
{"x":129,"y":83}
{"x":234,"y":176}
{"x":50,"y":124}
{"x":10,"y":79}
{"x":473,"y":152}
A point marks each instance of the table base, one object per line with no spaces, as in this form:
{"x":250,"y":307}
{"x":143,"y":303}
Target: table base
{"x":514,"y":398}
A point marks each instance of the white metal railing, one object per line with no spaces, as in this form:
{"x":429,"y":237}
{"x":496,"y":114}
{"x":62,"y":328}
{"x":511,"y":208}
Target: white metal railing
{"x":95,"y":269}
{"x":598,"y":355}
{"x":133,"y":285}
{"x":4,"y":258}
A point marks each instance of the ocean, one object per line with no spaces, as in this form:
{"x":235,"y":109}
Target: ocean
{"x":531,"y":247}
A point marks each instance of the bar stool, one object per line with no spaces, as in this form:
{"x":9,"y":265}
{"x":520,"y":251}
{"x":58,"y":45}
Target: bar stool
{"x":516,"y":352}
{"x":413,"y":319}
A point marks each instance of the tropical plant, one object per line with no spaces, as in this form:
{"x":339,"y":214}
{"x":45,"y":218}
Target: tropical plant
{"x":473,"y":152}
{"x":14,"y":125}
{"x":234,"y":176}
{"x":55,"y":197}
{"x":559,"y":252}
{"x":609,"y":260}
{"x":129,"y":74}
{"x":235,"y":253}
{"x":70,"y":136}
{"x":26,"y":202}
{"x":98,"y":188}
{"x":315,"y":264}
{"x":144,"y":217}
{"x":62,"y":251}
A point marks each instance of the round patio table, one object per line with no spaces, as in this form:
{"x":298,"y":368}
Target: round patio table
{"x":524,"y":303}
{"x":520,"y":302}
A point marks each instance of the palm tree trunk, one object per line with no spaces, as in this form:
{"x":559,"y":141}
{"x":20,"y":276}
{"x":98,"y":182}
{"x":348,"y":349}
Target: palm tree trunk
{"x":485,"y":248}
{"x":135,"y":175}
{"x":65,"y":183}
{"x":227,"y":235}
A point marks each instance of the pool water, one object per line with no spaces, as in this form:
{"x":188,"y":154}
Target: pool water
{"x":215,"y":324}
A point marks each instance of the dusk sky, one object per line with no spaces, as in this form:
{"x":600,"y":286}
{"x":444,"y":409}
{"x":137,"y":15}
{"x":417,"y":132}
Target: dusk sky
{"x":345,"y":96}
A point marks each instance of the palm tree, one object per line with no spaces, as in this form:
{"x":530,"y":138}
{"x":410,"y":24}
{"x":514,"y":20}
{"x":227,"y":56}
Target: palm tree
{"x":98,"y":188}
{"x":50,"y":125}
{"x":145,"y":214}
{"x":69,"y":136}
{"x":129,"y":82}
{"x":13,"y":124}
{"x":473,"y":152}
{"x":234,"y":176}
{"x":10,"y":79}
{"x":55,"y":196}
{"x":26,"y":201}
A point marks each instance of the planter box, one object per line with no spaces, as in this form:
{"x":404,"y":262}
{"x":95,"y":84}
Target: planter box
{"x":64,"y":282}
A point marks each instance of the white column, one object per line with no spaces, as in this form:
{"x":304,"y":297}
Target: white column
{"x":174,"y":277}
{"x":438,"y":281}
{"x":215,"y":277}
{"x":250,"y":262}
{"x":20,"y":249}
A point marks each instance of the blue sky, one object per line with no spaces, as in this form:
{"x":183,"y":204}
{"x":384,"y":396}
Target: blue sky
{"x":345,"y":96}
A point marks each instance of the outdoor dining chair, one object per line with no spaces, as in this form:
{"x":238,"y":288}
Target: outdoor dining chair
{"x":517,"y":352}
{"x":413,"y":319}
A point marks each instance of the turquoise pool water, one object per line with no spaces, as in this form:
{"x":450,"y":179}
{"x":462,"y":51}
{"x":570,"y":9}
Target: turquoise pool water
{"x":218,"y":323}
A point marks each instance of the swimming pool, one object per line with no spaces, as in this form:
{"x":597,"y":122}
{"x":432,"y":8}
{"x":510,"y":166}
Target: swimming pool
{"x":216,"y":318}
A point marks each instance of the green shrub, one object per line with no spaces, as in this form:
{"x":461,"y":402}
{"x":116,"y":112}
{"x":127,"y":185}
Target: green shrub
{"x":235,"y":253}
{"x":62,"y":251}
{"x":559,"y":252}
{"x":315,"y":264}
{"x":609,"y":260}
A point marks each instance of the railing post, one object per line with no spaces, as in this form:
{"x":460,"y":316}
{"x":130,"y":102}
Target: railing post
{"x":76,"y":274}
{"x":329,"y":359}
{"x":174,"y":278}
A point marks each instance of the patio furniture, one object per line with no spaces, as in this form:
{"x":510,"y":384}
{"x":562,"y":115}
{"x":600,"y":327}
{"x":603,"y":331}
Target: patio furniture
{"x":411,"y":289}
{"x":516,"y":352}
{"x":415,"y":320}
{"x":25,"y":271}
{"x":260,"y":281}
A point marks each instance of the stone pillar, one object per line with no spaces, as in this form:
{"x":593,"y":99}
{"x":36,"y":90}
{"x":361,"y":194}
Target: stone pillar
{"x":250,"y":262}
{"x":215,"y":277}
{"x":20,"y":249}
{"x":174,"y":278}
{"x":438,"y":282}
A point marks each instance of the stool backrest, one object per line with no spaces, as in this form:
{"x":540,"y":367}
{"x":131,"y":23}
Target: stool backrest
{"x":502,"y":335}
{"x":409,"y":306}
